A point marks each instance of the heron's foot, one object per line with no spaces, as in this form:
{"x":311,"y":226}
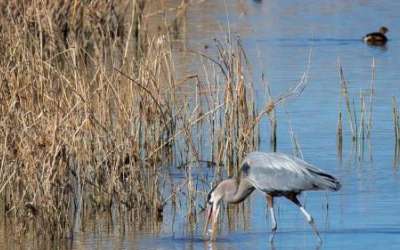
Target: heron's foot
{"x":315,"y":230}
{"x":272,"y":235}
{"x":319,"y":238}
{"x":271,"y":238}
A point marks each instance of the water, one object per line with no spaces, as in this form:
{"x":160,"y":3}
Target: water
{"x":278,"y":37}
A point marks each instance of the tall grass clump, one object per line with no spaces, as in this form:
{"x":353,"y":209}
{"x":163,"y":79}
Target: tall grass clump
{"x":92,"y":113}
{"x":75,"y":134}
{"x":396,"y":128}
{"x":359,"y":117}
{"x":396,"y":120}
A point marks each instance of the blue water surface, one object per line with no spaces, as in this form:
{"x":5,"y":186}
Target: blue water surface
{"x":279,"y":37}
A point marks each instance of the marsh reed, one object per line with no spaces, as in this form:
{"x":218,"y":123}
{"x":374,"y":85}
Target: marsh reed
{"x":396,"y":121}
{"x":359,"y":116}
{"x":396,"y":128}
{"x":93,"y":115}
{"x":77,"y":135}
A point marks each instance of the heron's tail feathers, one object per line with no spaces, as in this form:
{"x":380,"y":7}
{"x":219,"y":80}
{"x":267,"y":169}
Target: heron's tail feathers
{"x":325,"y":181}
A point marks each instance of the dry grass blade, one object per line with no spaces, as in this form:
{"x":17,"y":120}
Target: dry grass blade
{"x":346,"y":96}
{"x":396,"y":120}
{"x":92,"y":113}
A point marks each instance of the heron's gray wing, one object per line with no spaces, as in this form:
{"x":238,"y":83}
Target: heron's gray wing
{"x":271,"y":172}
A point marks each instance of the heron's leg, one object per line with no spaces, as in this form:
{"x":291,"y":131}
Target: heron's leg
{"x":274,"y":225}
{"x":293,"y":198}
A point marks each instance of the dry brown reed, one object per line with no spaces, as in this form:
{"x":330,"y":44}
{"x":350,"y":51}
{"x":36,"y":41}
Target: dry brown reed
{"x":339,"y":136}
{"x":349,"y":108}
{"x":396,"y":120}
{"x":76,"y":135}
{"x":91,"y":115}
{"x":396,"y":128}
{"x":360,"y":121}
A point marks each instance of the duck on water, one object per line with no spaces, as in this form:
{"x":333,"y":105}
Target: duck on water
{"x":377,"y":38}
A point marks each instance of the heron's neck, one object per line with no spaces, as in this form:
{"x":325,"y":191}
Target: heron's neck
{"x":241,"y":191}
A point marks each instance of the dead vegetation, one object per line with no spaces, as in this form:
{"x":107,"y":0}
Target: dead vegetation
{"x":75,"y":134}
{"x":359,"y":116}
{"x":92,"y":114}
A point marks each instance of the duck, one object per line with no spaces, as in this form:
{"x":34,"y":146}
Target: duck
{"x":377,"y":38}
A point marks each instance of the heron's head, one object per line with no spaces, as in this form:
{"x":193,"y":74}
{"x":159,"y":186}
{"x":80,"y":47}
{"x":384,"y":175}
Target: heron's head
{"x":213,"y":205}
{"x":383,"y":30}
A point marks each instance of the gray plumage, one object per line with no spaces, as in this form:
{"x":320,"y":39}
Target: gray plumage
{"x":277,"y":172}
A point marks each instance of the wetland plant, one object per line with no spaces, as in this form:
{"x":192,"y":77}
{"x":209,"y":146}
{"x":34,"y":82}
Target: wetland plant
{"x":396,"y":120}
{"x":94,"y":112}
{"x":359,"y":118}
{"x":78,"y":137}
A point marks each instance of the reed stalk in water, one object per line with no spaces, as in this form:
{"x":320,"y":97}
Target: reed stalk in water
{"x":93,"y":114}
{"x":360,"y":121}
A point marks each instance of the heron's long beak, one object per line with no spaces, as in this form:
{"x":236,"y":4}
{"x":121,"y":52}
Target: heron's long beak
{"x":212,"y":214}
{"x":209,"y":211}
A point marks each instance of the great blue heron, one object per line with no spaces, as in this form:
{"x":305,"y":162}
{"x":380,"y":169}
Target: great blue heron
{"x":377,"y":38}
{"x":275,"y":174}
